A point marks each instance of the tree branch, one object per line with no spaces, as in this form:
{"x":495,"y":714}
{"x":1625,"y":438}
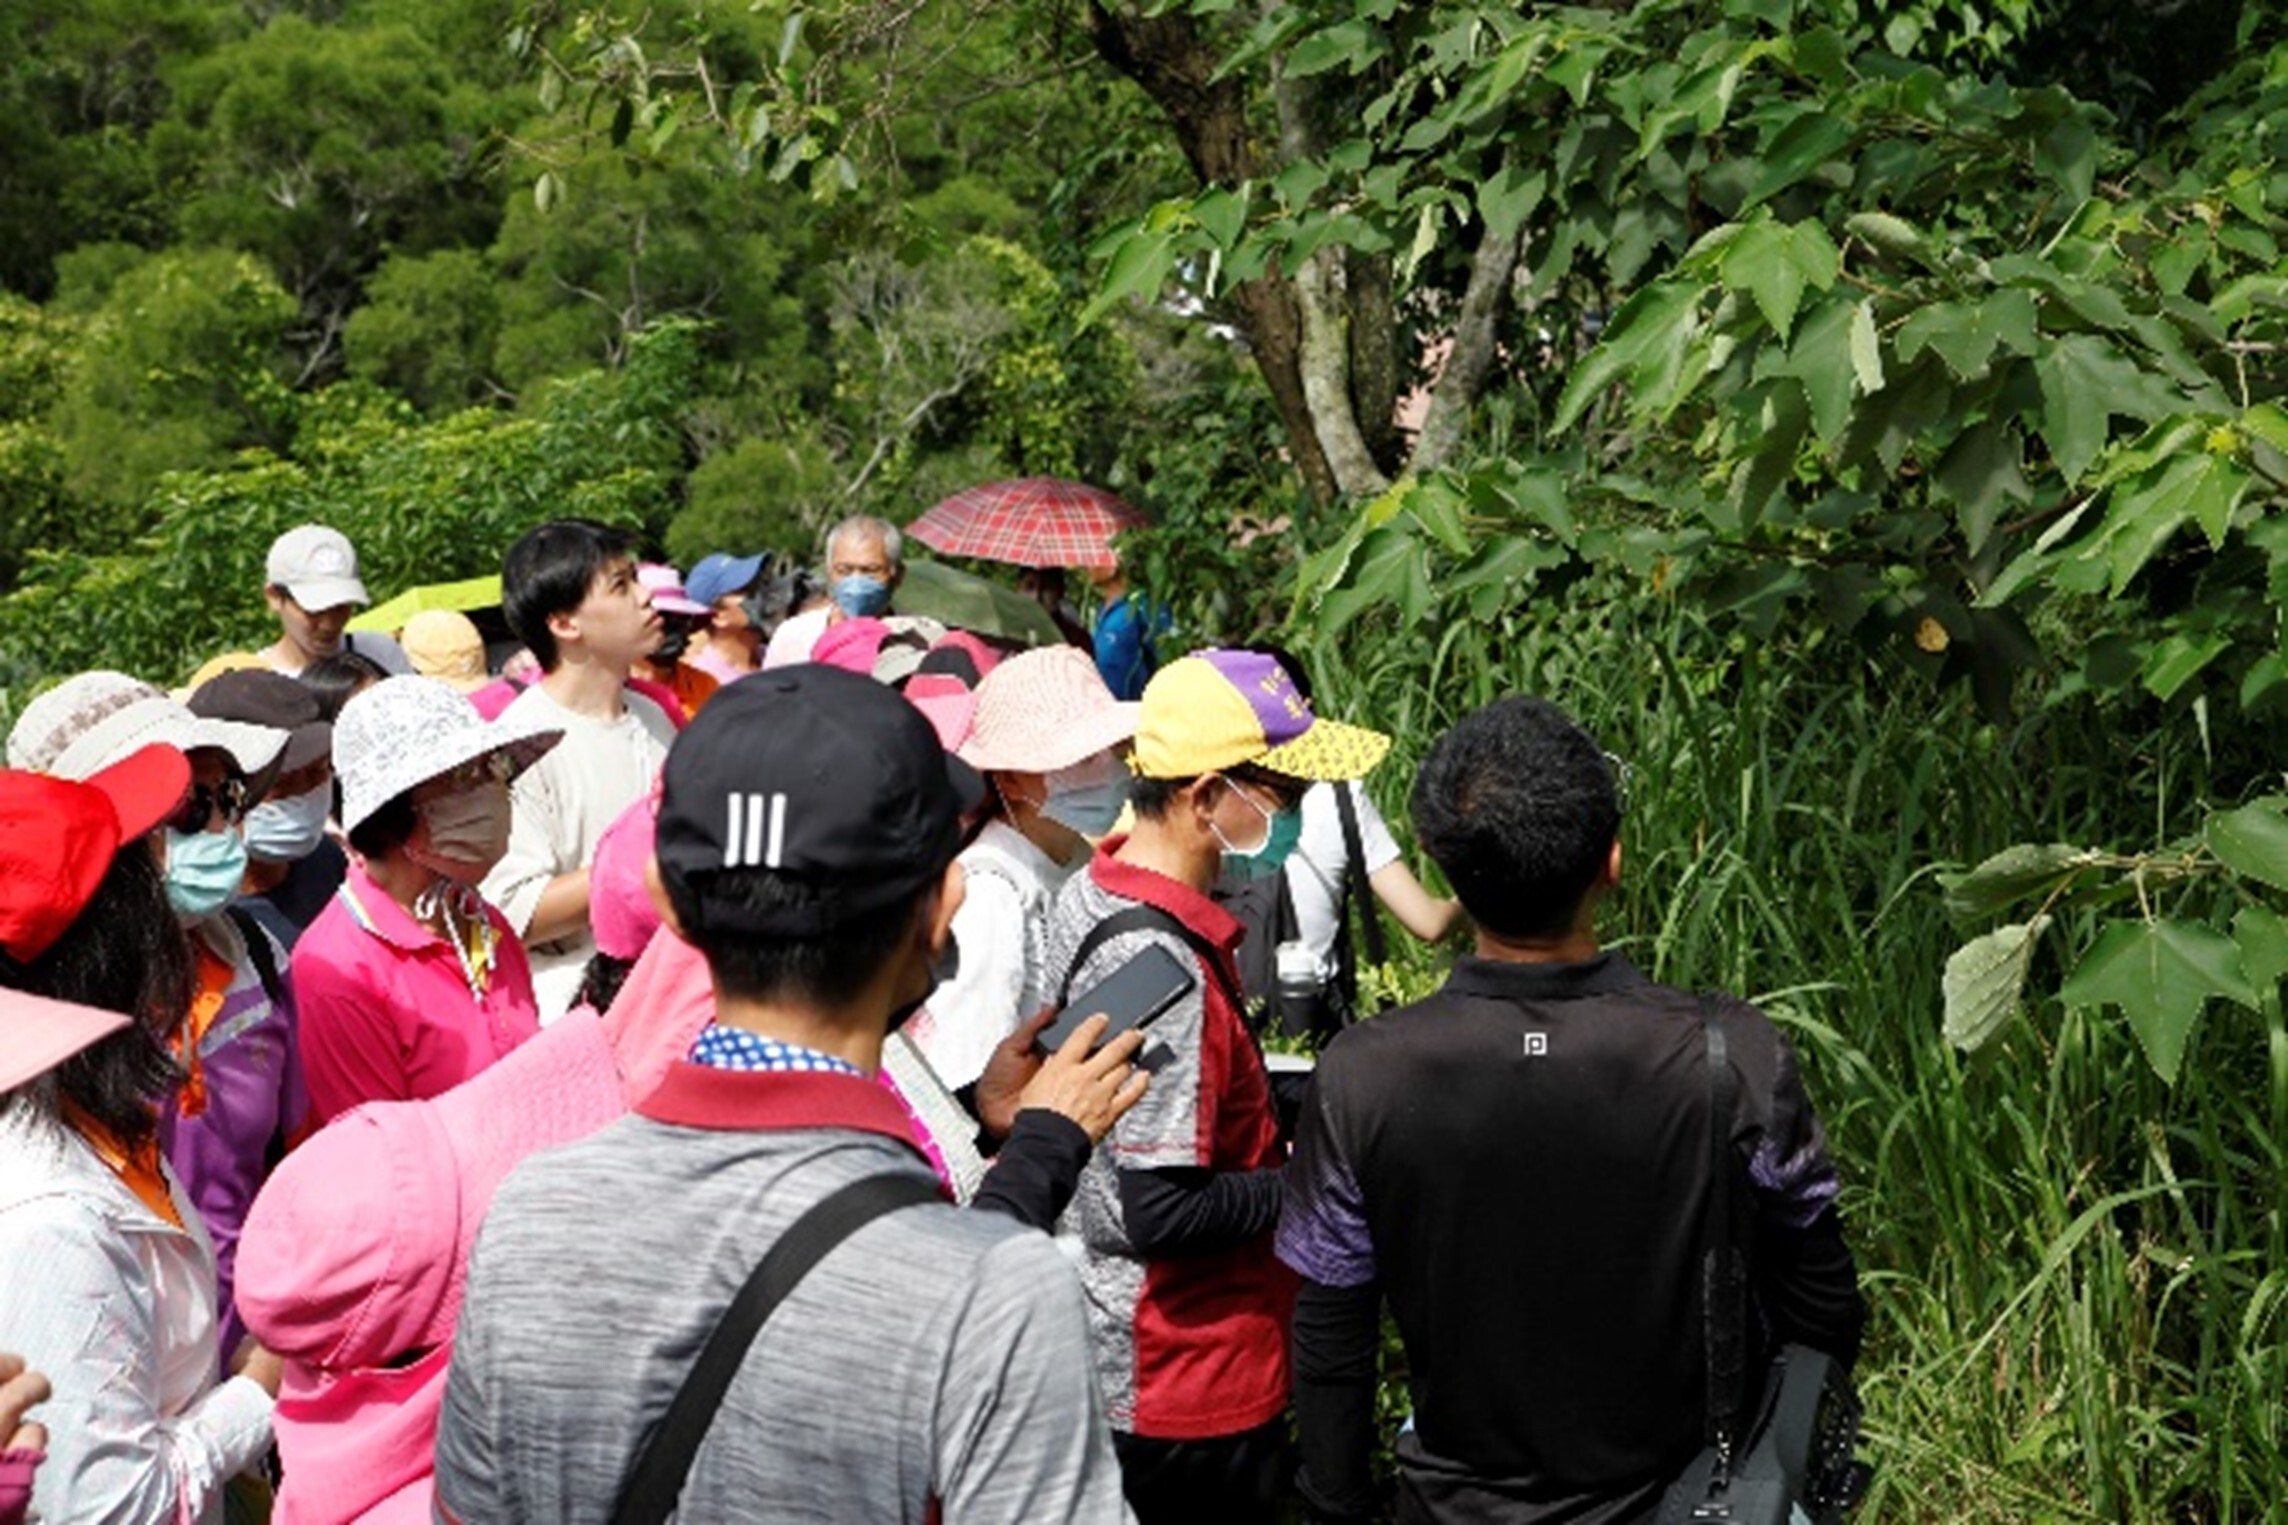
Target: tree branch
{"x":1472,"y":355}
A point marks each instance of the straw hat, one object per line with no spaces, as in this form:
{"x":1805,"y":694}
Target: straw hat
{"x":92,"y":720}
{"x":445,"y":644}
{"x":1042,"y":710}
{"x":404,"y":731}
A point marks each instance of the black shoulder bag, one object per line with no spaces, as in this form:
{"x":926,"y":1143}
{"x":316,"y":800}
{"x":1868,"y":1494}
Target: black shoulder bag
{"x":1796,"y":1448}
{"x":655,"y":1483}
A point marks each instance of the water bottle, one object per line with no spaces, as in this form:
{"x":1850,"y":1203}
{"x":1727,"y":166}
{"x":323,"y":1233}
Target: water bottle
{"x":1297,"y":1002}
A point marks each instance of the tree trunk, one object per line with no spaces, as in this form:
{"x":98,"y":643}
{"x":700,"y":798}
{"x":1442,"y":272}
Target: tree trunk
{"x":1175,"y":65}
{"x":1464,"y":376}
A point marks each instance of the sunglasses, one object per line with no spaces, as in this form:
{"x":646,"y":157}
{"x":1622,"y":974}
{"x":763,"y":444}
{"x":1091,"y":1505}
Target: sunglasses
{"x":198,"y":808}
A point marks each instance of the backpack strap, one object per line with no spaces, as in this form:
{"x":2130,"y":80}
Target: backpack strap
{"x":1150,"y":918}
{"x":1354,"y":873}
{"x":257,"y":940}
{"x":1723,"y":1287}
{"x":656,"y":1481}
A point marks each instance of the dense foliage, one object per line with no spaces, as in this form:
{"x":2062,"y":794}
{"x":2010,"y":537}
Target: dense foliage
{"x":1868,"y":416}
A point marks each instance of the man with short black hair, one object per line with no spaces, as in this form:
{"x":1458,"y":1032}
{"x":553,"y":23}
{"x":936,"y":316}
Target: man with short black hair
{"x":1520,"y":1164}
{"x":1173,"y":1219}
{"x":933,"y":1363}
{"x":570,"y":592}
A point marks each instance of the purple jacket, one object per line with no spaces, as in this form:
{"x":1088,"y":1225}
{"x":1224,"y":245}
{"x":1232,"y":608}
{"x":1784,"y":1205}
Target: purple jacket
{"x":252,"y":1071}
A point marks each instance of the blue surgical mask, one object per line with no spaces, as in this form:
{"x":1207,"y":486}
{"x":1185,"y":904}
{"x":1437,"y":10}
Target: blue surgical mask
{"x":203,"y":871}
{"x":284,"y":830}
{"x":859,"y":595}
{"x":1282,"y":829}
{"x":1087,"y":797}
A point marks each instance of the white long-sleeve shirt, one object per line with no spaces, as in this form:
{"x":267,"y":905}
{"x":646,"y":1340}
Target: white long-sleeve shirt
{"x":117,"y":1307}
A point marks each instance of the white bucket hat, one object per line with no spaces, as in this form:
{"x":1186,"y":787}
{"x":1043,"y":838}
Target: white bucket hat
{"x":1042,"y":710}
{"x":405,"y":731}
{"x":88,"y":722}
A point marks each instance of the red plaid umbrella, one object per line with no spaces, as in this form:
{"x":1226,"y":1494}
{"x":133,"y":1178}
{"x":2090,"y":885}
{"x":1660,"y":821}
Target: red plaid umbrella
{"x":1032,"y":521}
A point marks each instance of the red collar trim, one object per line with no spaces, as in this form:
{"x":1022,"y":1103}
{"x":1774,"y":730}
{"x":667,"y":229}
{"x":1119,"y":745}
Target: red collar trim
{"x":1180,"y":900}
{"x":701,"y":1096}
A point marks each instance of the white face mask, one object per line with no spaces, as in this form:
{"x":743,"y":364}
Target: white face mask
{"x":468,"y":829}
{"x":283,"y":830}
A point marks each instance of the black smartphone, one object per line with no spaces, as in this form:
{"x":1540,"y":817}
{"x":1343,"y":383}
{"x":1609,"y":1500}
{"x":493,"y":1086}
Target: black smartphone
{"x":1131,"y":995}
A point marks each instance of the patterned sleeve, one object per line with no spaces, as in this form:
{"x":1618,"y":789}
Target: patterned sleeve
{"x":1173,"y":1126}
{"x":1322,"y":1221}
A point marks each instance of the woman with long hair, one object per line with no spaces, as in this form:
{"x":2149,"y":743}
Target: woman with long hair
{"x":107,"y":1276}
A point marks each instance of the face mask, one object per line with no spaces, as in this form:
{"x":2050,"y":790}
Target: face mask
{"x":1281,"y":831}
{"x":752,"y":607}
{"x":1087,"y":797}
{"x":280,"y":831}
{"x":858,"y":595}
{"x":469,"y":829}
{"x":203,"y":871}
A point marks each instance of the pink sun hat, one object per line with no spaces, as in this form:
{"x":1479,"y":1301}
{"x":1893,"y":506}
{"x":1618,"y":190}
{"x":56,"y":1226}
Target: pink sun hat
{"x":665,"y":584}
{"x":1042,"y":710}
{"x":37,"y":1034}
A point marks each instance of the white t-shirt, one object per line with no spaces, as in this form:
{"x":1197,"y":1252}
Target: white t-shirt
{"x":1002,"y":930}
{"x":563,"y":803}
{"x":1315,"y":869}
{"x":795,"y":638}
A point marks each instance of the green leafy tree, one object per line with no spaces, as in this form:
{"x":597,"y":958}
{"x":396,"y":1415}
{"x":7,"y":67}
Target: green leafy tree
{"x":429,"y":330}
{"x":173,"y":371}
{"x":319,"y":148}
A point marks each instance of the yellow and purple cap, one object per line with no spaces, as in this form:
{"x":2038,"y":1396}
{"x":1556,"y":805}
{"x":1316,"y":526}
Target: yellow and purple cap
{"x":1221,"y":708}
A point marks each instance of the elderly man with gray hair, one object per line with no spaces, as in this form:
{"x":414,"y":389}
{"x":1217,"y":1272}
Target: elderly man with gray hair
{"x":865,"y":560}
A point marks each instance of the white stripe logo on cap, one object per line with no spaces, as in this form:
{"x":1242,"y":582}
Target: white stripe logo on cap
{"x":744,"y":845}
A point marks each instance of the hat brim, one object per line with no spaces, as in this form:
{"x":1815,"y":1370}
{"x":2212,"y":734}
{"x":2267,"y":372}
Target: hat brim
{"x":1328,"y":752}
{"x":145,"y":788}
{"x":728,"y":577}
{"x":319,"y":593}
{"x":43,"y":1033}
{"x":521,"y":742}
{"x":1071,"y":742}
{"x":668,"y":603}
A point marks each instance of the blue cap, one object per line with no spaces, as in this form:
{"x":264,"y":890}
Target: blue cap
{"x":721,"y":573}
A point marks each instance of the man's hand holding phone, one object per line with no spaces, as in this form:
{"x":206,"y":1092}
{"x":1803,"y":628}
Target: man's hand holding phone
{"x":1091,"y":1086}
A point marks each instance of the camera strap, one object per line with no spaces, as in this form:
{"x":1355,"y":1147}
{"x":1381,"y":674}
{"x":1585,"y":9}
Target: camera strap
{"x":656,"y":1481}
{"x":1723,"y":1285}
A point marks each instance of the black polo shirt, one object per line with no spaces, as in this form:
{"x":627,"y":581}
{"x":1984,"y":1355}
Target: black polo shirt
{"x":1520,"y":1164}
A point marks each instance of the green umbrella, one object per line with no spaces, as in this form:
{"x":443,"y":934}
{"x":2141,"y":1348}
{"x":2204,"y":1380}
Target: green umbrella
{"x":969,"y":602}
{"x":474,"y":593}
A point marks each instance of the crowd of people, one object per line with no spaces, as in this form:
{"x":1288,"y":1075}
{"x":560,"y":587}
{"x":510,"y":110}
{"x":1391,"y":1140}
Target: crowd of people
{"x":604,"y":1073}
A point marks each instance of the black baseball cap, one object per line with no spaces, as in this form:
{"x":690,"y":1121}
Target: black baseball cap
{"x":257,"y":696}
{"x":817,"y":773}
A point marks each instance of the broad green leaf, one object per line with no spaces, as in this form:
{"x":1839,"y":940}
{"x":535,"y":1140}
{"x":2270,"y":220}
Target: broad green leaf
{"x":1807,"y":142}
{"x":1390,"y":569}
{"x":2068,"y":155}
{"x":1542,"y":494}
{"x":1821,"y":359}
{"x":2084,"y":380}
{"x":2011,"y":875}
{"x":1965,"y":335}
{"x":1981,"y":473}
{"x":1438,"y":509}
{"x":2263,"y":939}
{"x":1889,"y":235}
{"x":2160,"y":974}
{"x":2142,"y":514}
{"x":1140,"y":264}
{"x":1352,"y":43}
{"x":1757,"y":264}
{"x":1222,"y":214}
{"x":2252,"y":841}
{"x":1648,"y":335}
{"x":1770,"y":461}
{"x":1508,"y":197}
{"x":2177,"y":659}
{"x":1983,"y":981}
{"x":2268,"y":423}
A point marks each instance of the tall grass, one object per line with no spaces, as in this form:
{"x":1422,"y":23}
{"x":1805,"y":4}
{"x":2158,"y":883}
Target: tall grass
{"x":2077,"y":1274}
